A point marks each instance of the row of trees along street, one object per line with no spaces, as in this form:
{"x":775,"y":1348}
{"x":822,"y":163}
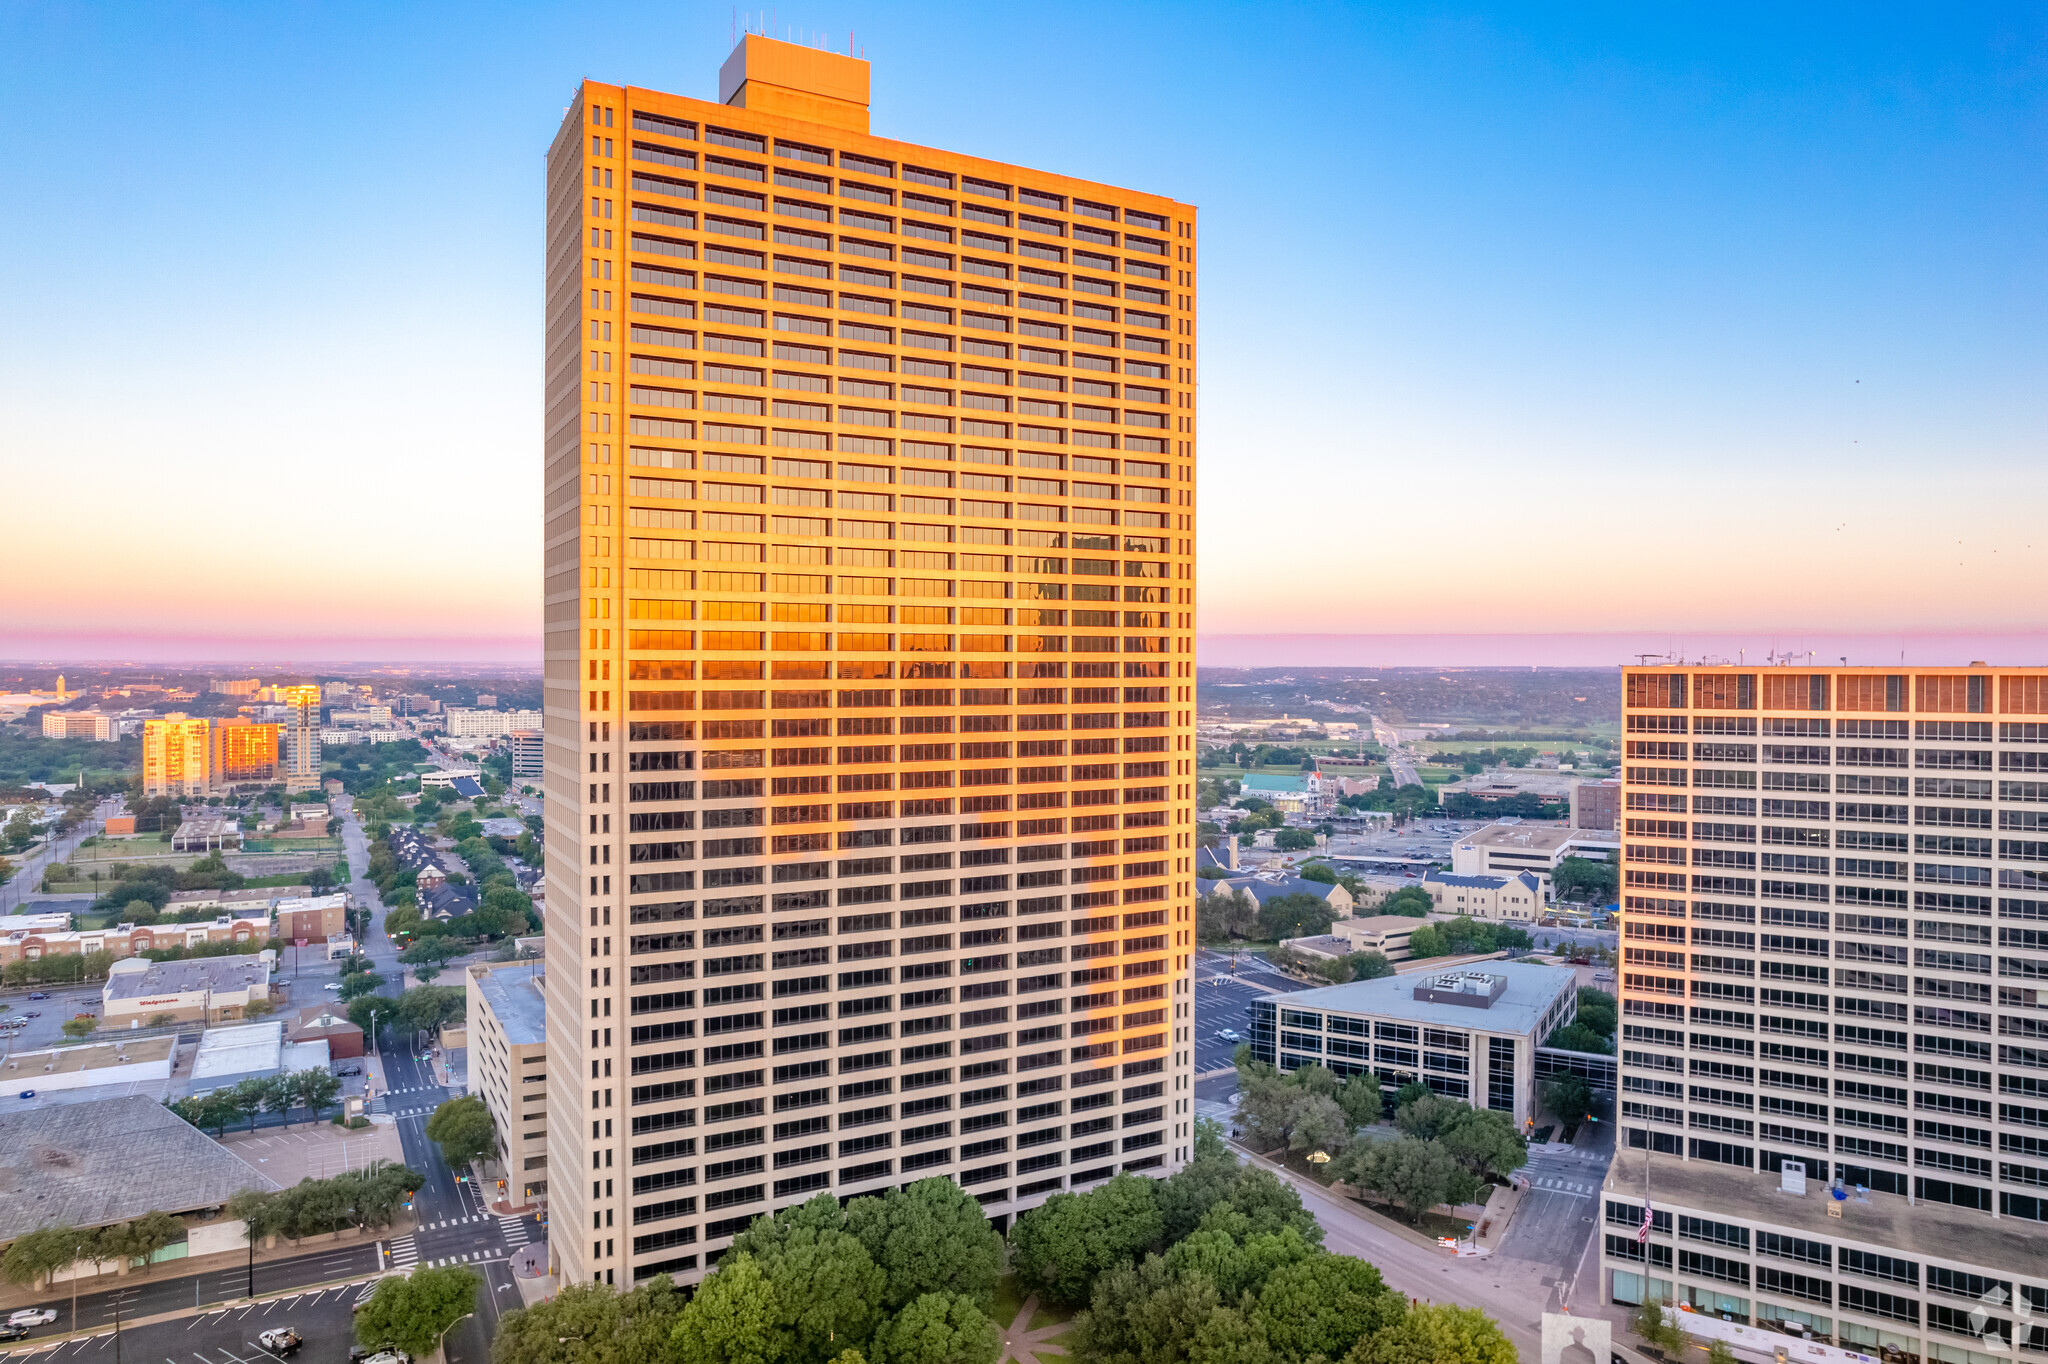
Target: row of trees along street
{"x":1217,"y":1264}
{"x":244,"y":1101}
{"x":1436,"y":1150}
{"x":367,"y":1198}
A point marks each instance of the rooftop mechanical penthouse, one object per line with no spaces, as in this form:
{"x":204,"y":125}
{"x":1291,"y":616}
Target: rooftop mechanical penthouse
{"x":870,"y":606}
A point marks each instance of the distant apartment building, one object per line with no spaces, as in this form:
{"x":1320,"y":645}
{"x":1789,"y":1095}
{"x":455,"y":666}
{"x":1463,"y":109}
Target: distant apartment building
{"x":80,"y":724}
{"x":177,"y":756}
{"x":244,"y":751}
{"x":302,"y":738}
{"x":123,"y":940}
{"x":234,"y":686}
{"x":529,"y":749}
{"x":508,"y":1069}
{"x":489,"y":724}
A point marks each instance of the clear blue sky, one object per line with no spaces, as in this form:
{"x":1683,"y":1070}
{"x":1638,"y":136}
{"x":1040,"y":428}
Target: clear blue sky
{"x":1571,"y":318}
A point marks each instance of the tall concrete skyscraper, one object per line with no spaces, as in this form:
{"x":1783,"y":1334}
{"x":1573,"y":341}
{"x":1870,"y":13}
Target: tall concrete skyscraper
{"x":301,"y":737}
{"x":870,"y":607}
{"x":1834,"y":1026}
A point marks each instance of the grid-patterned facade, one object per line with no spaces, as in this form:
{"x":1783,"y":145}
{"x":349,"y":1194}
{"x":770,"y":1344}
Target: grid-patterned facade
{"x":1834,"y":943}
{"x":870,"y":595}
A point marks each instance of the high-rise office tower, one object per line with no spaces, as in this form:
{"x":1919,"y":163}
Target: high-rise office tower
{"x":176,"y":756}
{"x":870,"y":604}
{"x":1834,"y":946}
{"x":301,"y":737}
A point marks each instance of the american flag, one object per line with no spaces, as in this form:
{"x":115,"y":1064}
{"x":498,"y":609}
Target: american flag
{"x":1643,"y":1232}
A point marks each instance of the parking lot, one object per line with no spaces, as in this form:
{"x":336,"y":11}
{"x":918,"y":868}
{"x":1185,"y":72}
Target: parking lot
{"x":228,"y":1336}
{"x":47,"y":1027}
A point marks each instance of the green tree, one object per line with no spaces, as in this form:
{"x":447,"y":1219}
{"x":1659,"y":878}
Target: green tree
{"x":1436,"y":1333}
{"x":1568,"y":1098}
{"x":1294,"y":840}
{"x":360,"y":984}
{"x":35,"y":1255}
{"x":411,"y":1313}
{"x":591,"y":1324}
{"x":464,"y":1130}
{"x":929,"y":1237}
{"x":827,"y":1291}
{"x":939,"y":1328}
{"x":1485,"y":1143}
{"x":1414,"y":1173}
{"x":1585,"y":880}
{"x":1656,"y":1326}
{"x":1059,"y":1247}
{"x":1324,"y":1304}
{"x":431,"y":1007}
{"x":1720,"y":1352}
{"x":1368,"y":965}
{"x":1412,"y":901}
{"x":1149,"y":1313}
{"x":371,"y":1012}
{"x":1221,"y":915}
{"x":732,"y":1318}
{"x":1297,"y":915}
{"x":80,"y":1027}
{"x":1577,"y":1037}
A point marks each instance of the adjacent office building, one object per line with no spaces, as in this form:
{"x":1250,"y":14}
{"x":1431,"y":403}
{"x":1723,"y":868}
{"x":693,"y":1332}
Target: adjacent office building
{"x":1834,"y":946}
{"x":1469,"y":1035}
{"x":870,"y":580}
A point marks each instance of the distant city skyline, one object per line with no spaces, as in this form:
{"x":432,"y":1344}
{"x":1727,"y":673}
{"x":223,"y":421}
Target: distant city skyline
{"x":1568,"y":301}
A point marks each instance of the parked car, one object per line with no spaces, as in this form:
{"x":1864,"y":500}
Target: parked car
{"x":281,"y":1340}
{"x":33,"y":1316}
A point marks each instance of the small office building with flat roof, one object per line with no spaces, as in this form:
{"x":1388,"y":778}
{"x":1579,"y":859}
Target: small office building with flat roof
{"x":508,"y":1068}
{"x":1468,"y":1033}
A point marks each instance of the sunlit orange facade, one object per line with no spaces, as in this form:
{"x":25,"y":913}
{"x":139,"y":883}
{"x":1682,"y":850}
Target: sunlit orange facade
{"x":244,"y":751}
{"x":176,"y":756}
{"x":870,"y":607}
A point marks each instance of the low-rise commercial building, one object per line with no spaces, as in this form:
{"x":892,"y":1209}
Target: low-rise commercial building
{"x":1468,"y":1034}
{"x":508,"y":1068}
{"x":1300,"y":795}
{"x":1517,"y":897}
{"x":215,"y":989}
{"x":144,"y":1061}
{"x":127,"y":940}
{"x":1505,"y":849}
{"x":1267,"y":886}
{"x":253,"y":1051}
{"x":237,"y":902}
{"x":326,"y":1022}
{"x":1387,"y":934}
{"x":102,"y":1162}
{"x":312,"y":918}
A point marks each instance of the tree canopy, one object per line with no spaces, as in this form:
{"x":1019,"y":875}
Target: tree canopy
{"x":412,"y":1312}
{"x":464,"y":1130}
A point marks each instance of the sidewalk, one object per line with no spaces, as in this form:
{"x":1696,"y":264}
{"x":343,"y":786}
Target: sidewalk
{"x":196,"y":1266}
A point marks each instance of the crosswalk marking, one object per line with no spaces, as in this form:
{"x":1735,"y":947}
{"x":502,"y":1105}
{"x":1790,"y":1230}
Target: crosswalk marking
{"x":514,"y":1229}
{"x":405,"y":1253}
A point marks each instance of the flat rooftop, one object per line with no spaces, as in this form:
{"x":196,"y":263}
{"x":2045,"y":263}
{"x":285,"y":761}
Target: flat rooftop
{"x":1933,"y":1230}
{"x":1530,"y":990}
{"x":28,"y":1066}
{"x":80,"y":1165}
{"x":246,"y":1050}
{"x":181,"y":977}
{"x":1533,"y":837}
{"x":514,"y":996}
{"x":1384,"y":923}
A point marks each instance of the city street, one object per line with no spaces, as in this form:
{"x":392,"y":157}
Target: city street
{"x":27,"y":881}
